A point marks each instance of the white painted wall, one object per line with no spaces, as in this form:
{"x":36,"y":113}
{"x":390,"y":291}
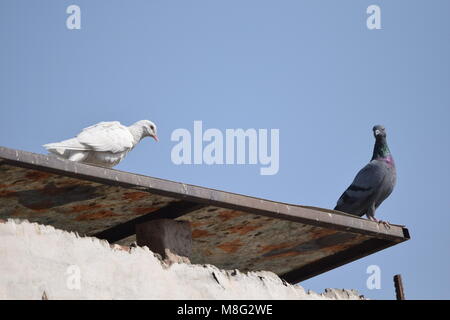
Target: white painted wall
{"x":35,"y":259}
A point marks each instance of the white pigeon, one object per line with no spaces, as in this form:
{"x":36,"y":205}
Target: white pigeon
{"x":104,"y":144}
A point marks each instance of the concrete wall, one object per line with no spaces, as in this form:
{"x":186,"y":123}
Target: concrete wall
{"x":41,"y":262}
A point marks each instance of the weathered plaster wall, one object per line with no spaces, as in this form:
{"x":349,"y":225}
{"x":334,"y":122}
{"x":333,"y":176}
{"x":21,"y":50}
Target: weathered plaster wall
{"x":38,"y":260}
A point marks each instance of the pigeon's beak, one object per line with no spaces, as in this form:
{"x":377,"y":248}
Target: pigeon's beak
{"x":155,"y":137}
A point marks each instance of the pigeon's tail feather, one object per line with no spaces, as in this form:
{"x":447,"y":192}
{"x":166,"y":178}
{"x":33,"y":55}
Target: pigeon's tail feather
{"x":349,"y":210}
{"x":341,"y":207}
{"x":53,"y":148}
{"x":60,"y":148}
{"x":348,"y":204}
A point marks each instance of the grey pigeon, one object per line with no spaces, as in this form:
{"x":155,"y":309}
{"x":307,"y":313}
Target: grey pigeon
{"x":104,"y":144}
{"x":373,"y":183}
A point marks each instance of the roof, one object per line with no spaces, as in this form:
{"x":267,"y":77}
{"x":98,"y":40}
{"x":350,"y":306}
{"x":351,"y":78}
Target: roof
{"x":231,"y":231}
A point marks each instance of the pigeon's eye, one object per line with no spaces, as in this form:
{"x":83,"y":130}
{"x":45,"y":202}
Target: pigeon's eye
{"x":152,"y":127}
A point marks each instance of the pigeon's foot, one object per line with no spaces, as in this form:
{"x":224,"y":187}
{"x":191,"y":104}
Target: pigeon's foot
{"x":386,"y":224}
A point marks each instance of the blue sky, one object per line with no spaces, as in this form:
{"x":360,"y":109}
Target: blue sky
{"x":309,"y":68}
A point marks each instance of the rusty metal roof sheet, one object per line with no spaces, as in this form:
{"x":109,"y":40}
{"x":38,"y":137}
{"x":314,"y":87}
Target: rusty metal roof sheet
{"x":229,"y":230}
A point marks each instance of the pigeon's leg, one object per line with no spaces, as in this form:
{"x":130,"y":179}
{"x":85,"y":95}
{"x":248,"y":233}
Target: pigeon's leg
{"x":78,"y":156}
{"x":371,"y":214}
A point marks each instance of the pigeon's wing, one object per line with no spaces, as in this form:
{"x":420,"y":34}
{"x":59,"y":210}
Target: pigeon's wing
{"x":106,"y":136}
{"x":364,"y":186}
